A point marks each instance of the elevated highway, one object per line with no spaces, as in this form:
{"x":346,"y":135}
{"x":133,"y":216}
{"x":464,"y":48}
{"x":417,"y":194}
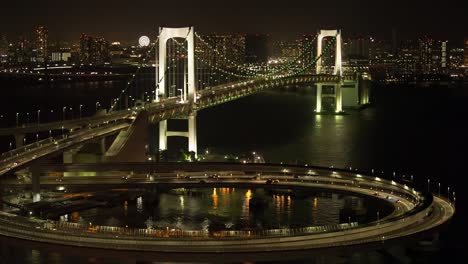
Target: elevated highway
{"x":417,"y":212}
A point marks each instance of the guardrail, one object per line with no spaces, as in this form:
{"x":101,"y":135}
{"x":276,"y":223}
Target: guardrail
{"x":69,"y":228}
{"x":15,"y":152}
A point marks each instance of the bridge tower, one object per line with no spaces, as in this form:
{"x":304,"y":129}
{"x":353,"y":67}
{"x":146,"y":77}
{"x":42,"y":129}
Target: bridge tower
{"x":336,"y":71}
{"x":188,"y":93}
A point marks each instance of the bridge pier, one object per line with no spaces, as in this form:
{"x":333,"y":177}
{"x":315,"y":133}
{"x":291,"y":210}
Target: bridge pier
{"x":191,"y":134}
{"x":338,"y":98}
{"x":19,"y":140}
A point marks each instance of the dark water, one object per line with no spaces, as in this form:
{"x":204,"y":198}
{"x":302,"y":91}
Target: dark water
{"x":202,"y":208}
{"x":413,"y":131}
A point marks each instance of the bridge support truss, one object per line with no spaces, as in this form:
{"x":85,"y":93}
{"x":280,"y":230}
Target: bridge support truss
{"x":191,"y":134}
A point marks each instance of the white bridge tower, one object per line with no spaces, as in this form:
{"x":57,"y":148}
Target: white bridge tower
{"x":188,"y":94}
{"x":336,"y":71}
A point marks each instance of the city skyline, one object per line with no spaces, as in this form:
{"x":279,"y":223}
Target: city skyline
{"x":127,"y":23}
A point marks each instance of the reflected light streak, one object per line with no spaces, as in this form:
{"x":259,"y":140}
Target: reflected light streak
{"x":215,"y":199}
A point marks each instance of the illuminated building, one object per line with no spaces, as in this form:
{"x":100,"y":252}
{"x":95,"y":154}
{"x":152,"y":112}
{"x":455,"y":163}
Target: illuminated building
{"x":61,"y":55}
{"x":432,"y":56}
{"x":285,"y":51}
{"x":93,"y":50}
{"x":229,"y":46}
{"x":41,"y":44}
{"x":20,"y":53}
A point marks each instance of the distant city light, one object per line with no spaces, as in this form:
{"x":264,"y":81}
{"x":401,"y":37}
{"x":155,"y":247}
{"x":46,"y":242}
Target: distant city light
{"x":144,"y":41}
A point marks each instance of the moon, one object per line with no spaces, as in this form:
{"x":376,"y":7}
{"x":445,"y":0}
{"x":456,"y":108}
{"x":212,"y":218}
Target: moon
{"x":144,"y":41}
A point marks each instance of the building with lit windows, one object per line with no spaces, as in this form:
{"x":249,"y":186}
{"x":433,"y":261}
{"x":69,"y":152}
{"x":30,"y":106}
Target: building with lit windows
{"x":93,"y":50}
{"x":229,"y":46}
{"x":432,"y":56}
{"x":41,"y":40}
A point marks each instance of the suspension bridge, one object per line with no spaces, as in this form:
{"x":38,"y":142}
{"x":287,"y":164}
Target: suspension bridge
{"x":191,"y":75}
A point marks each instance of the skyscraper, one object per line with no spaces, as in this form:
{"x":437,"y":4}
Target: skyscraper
{"x":432,"y":56}
{"x":93,"y":50}
{"x":41,"y":44}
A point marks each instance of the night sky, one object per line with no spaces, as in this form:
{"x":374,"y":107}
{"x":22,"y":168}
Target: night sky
{"x":124,"y":20}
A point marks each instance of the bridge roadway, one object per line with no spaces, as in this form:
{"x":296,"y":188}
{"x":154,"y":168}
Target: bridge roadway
{"x":37,"y":151}
{"x":208,"y":97}
{"x":417,"y":212}
{"x":157,"y":111}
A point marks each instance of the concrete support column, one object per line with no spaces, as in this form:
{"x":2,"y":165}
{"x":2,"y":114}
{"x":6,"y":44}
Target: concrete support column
{"x":192,"y":130}
{"x":338,"y":99}
{"x":36,"y":185}
{"x":318,"y":106}
{"x":19,"y":140}
{"x":103,"y":145}
{"x":163,"y":135}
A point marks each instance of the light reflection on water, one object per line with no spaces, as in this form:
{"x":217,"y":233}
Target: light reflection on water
{"x":197,"y":209}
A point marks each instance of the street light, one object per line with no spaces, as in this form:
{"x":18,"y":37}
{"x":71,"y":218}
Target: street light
{"x":38,"y":117}
{"x":378,"y":215}
{"x":37,"y":137}
{"x":81,"y":106}
{"x":439,"y":188}
{"x":63,"y":113}
{"x":448,"y":193}
{"x":17,"y":119}
{"x":428,"y":184}
{"x":97,"y":104}
{"x":50,"y":132}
